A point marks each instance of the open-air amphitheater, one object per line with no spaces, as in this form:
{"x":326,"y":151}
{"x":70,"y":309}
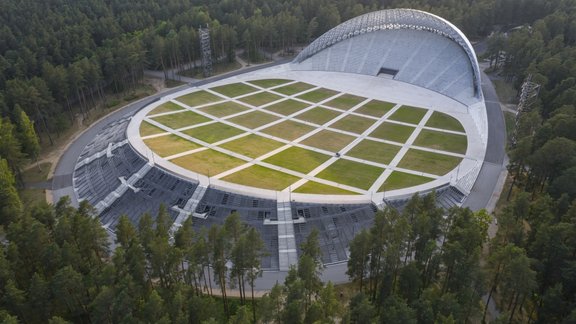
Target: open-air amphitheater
{"x":379,"y":108}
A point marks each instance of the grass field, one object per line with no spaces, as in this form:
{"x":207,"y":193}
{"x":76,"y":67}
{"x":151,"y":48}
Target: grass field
{"x":312,"y":187}
{"x":351,"y":173}
{"x":199,"y":98}
{"x":261,"y":177}
{"x":407,"y":114}
{"x":317,"y":95}
{"x":393,"y":132}
{"x":268,"y":83}
{"x":287,"y":107}
{"x":354,"y":124}
{"x":252,"y":145}
{"x":234,"y":89}
{"x":298,"y":159}
{"x":399,"y":180}
{"x":253,"y":119}
{"x":224,"y":109}
{"x":208,"y":162}
{"x":329,"y":140}
{"x":433,"y":163}
{"x":294,"y":88}
{"x":374,"y":151}
{"x":147,"y":129}
{"x":375,"y":108}
{"x":444,"y":121}
{"x":442,"y":141}
{"x":260,"y":99}
{"x":318,"y":115}
{"x":170,"y":145}
{"x":288,"y":130}
{"x":165,"y":107}
{"x":345,"y":101}
{"x":213,"y":133}
{"x":182,"y":119}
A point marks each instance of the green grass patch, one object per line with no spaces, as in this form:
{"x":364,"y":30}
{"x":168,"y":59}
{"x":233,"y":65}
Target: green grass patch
{"x":510,"y":120}
{"x":399,"y":180}
{"x":329,"y":140}
{"x":393,"y":132}
{"x":234,"y":89}
{"x":429,"y":162}
{"x":213,"y":133}
{"x":318,"y":115}
{"x":312,"y":187}
{"x":318,"y":95}
{"x":182,"y":119}
{"x":260,"y":99}
{"x":374,"y":151}
{"x":345,"y":101}
{"x":268,"y":83}
{"x":298,"y":159}
{"x":252,"y":145}
{"x":170,"y":145}
{"x":36,"y":173}
{"x":376,"y":108}
{"x":261,"y":177}
{"x":224,"y":109}
{"x":442,"y":141}
{"x":288,"y":130}
{"x":165,"y":107}
{"x":505,"y":91}
{"x":199,"y":98}
{"x":294,"y":88}
{"x":444,"y":121}
{"x":287,"y":107}
{"x":32,"y":197}
{"x":351,"y":173}
{"x":354,"y":124}
{"x":208,"y":162}
{"x":253,"y":119}
{"x":407,"y":114}
{"x":147,"y":129}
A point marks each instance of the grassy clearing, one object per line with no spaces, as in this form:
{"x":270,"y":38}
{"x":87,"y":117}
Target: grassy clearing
{"x":165,"y":107}
{"x":329,"y":140}
{"x":298,"y":159}
{"x":234,"y":89}
{"x":170,"y":145}
{"x":32,"y":197}
{"x":213,"y":133}
{"x":294,"y":88}
{"x":224,"y":109}
{"x":254,"y":119}
{"x":376,"y":108}
{"x":318,"y":115}
{"x":199,"y":98}
{"x":433,"y":163}
{"x":36,"y":173}
{"x":288,"y":130}
{"x":399,"y":180}
{"x":510,"y":120}
{"x":312,"y":187}
{"x":208,"y":162}
{"x":505,"y":91}
{"x":354,"y":124}
{"x":287,"y":107}
{"x":442,"y":141}
{"x":261,"y":177}
{"x":147,"y":129}
{"x":268,"y":83}
{"x":374,"y":151}
{"x":393,"y":132}
{"x":260,"y":99}
{"x":407,"y":114}
{"x":318,"y":95}
{"x":217,"y":68}
{"x":345,"y":101}
{"x":351,"y":173}
{"x":183,"y":119}
{"x":252,"y":145}
{"x":444,"y":121}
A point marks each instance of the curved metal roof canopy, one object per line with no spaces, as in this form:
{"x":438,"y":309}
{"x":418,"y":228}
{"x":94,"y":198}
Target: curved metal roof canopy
{"x":394,"y":19}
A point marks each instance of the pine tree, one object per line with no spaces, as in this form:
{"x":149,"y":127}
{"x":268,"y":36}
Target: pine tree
{"x":10,"y":204}
{"x":26,"y":134}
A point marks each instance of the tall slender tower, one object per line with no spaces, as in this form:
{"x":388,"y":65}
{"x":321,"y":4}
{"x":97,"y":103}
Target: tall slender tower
{"x":528,"y":94}
{"x":206,"y":51}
